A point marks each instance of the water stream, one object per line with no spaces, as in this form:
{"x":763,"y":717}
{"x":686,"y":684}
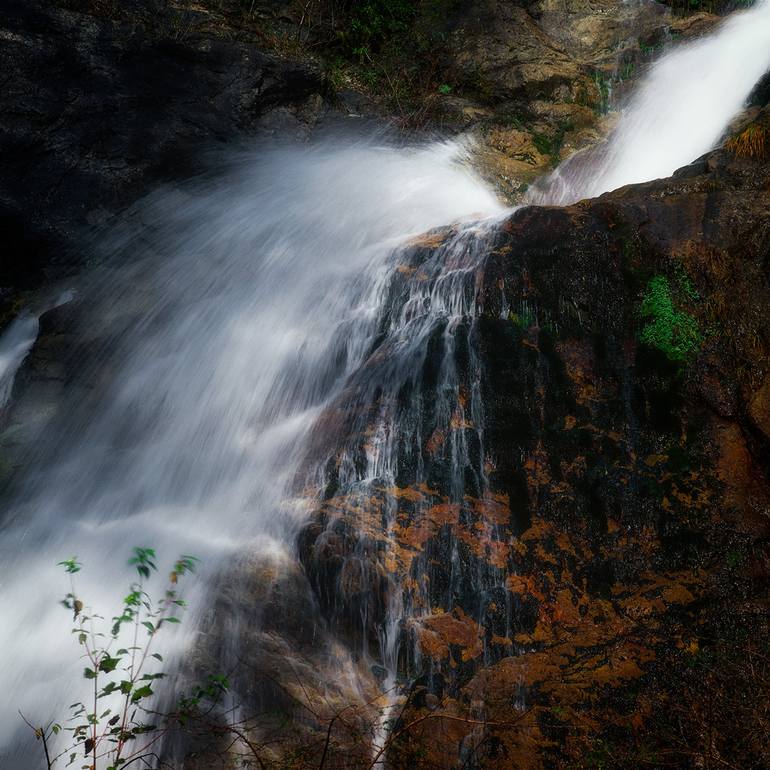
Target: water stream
{"x":15,"y":344}
{"x":229,"y":314}
{"x":677,"y":113}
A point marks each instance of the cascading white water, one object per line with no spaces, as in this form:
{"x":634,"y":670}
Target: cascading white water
{"x":237,"y":310}
{"x":679,"y":111}
{"x":15,"y":344}
{"x":233,"y":313}
{"x":430,"y":305}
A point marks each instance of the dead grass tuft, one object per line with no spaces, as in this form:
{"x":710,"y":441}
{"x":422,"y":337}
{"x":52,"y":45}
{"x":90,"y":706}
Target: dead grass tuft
{"x":750,"y":143}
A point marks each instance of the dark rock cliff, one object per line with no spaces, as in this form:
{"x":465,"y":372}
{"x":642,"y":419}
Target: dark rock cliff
{"x":604,"y":602}
{"x":96,"y":108}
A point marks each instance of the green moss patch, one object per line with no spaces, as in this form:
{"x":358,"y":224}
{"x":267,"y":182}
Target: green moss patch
{"x":667,"y":327}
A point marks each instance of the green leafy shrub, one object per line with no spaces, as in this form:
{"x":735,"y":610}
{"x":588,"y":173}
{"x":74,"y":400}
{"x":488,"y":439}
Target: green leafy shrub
{"x":107,"y":729}
{"x":544,"y":144}
{"x":524,"y":319}
{"x":604,"y":86}
{"x":551,"y":144}
{"x":668,"y":329}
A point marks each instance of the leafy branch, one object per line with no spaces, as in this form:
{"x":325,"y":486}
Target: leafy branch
{"x":107,"y":734}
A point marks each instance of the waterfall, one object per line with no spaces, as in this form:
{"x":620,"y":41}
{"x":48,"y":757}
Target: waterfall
{"x":679,"y":111}
{"x":226,"y":317}
{"x":423,"y":380}
{"x":230,"y":315}
{"x":15,"y":344}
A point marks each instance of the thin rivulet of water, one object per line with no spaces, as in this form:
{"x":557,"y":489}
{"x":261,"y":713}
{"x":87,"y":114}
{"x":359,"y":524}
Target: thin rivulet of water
{"x":15,"y":344}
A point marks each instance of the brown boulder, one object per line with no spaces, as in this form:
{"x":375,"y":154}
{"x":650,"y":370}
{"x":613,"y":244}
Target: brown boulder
{"x":501,"y":54}
{"x":759,"y":408}
{"x":600,"y":33}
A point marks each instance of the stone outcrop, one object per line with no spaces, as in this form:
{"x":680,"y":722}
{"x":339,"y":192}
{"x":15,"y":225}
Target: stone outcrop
{"x":97,"y":107}
{"x":542,"y":71}
{"x":603,"y":597}
{"x":602,"y":34}
{"x":539,"y":78}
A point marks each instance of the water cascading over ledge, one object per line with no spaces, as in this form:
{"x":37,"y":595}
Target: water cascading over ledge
{"x":474,"y":504}
{"x":409,"y":525}
{"x":172,"y":397}
{"x":547,"y":535}
{"x":511,"y":512}
{"x":409,"y":428}
{"x":422,"y":554}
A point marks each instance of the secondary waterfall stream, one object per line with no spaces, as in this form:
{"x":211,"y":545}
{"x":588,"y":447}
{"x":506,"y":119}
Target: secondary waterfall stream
{"x":14,"y":348}
{"x":227,"y":316}
{"x":678,"y":112}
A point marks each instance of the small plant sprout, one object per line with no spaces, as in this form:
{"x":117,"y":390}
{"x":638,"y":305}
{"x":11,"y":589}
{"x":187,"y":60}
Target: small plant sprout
{"x":106,"y":729}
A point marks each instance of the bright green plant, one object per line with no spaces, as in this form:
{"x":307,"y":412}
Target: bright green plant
{"x":668,"y":329}
{"x":107,"y":730}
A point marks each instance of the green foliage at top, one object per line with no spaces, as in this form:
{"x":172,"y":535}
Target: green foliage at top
{"x":669,"y":329}
{"x":373,"y":21}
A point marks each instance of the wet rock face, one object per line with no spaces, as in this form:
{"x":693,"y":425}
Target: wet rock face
{"x":603,"y":531}
{"x":540,"y":76}
{"x":502,"y":46}
{"x":601,"y":33}
{"x":97,"y":107}
{"x":529,"y":51}
{"x":291,"y":679}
